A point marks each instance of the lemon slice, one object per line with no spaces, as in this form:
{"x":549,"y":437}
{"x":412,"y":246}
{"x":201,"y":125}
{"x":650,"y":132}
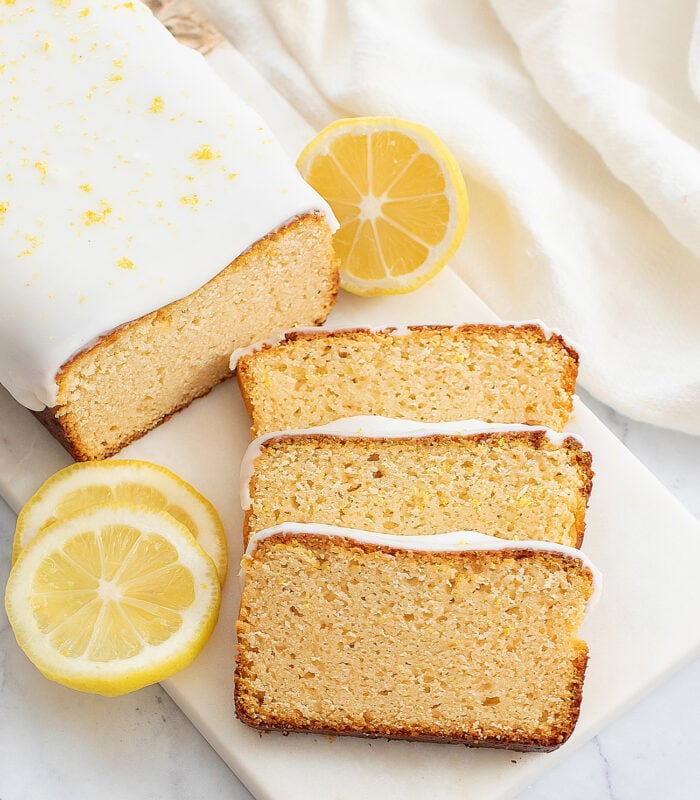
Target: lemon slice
{"x":113,"y":599}
{"x":399,"y":196}
{"x":81,"y":486}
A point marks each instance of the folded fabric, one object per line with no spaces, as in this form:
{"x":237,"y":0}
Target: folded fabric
{"x":622,"y":82}
{"x":577,"y":126}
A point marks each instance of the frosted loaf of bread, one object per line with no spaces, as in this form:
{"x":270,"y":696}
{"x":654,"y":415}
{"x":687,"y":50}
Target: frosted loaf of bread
{"x":150,"y":223}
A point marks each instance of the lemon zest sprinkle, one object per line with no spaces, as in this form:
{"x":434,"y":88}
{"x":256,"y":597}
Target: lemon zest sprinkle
{"x":157,"y":106}
{"x":205,"y":153}
{"x":191,"y":200}
{"x":95,"y":217}
{"x":41,"y":166}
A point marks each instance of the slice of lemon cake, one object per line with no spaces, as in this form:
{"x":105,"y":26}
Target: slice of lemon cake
{"x":520,"y":373}
{"x":396,"y":476}
{"x":457,"y":637}
{"x":150,"y":223}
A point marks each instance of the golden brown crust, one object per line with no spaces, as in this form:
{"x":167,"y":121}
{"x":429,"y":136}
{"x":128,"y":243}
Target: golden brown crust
{"x":492,"y":329}
{"x":242,"y":373}
{"x":58,"y":420}
{"x":515,"y":740}
{"x":517,"y":743}
{"x":52,"y":423}
{"x":537,"y":438}
{"x":583,"y":461}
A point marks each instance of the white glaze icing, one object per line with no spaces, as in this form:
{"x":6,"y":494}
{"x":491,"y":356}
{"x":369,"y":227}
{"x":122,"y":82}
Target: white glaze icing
{"x":392,"y":330}
{"x":378,"y":427}
{"x":131,"y":175}
{"x":455,"y":541}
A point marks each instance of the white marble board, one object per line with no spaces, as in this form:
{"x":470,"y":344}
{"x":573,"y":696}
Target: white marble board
{"x":645,"y":626}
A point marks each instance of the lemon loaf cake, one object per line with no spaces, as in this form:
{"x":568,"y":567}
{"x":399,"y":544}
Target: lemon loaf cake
{"x":457,"y":637}
{"x":150,"y":224}
{"x":430,"y":373}
{"x":396,"y":476}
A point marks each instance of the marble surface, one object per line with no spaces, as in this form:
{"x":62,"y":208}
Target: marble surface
{"x":58,"y":743}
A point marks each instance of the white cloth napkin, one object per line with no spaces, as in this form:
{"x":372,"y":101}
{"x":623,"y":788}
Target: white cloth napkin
{"x":577,"y":125}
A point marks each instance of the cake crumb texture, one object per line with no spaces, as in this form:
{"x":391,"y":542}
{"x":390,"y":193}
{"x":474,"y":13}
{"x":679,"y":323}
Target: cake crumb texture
{"x":510,"y":485}
{"x":472,"y":647}
{"x":431,"y":374}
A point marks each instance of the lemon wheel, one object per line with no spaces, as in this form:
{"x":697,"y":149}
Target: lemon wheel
{"x":112,"y":599}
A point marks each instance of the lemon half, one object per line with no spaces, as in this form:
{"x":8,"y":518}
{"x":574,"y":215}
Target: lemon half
{"x":399,"y":196}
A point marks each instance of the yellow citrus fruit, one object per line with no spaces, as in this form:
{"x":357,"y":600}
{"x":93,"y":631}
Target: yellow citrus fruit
{"x":399,"y":196}
{"x":113,"y":599}
{"x":84,"y":485}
